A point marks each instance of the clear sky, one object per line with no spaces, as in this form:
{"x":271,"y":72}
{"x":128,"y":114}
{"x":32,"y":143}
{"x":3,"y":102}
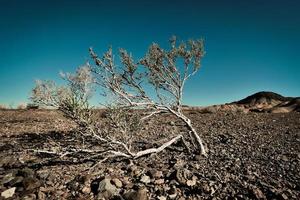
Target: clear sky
{"x":250,"y":45}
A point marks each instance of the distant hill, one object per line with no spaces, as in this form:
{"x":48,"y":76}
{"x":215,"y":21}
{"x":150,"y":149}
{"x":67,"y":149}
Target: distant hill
{"x":287,"y":106}
{"x":263,"y":97}
{"x":269,"y":102}
{"x":259,"y":102}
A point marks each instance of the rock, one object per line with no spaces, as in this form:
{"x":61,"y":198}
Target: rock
{"x":284,"y":196}
{"x":172,"y":123}
{"x":173,"y":182}
{"x":284,"y":158}
{"x":141,"y":194}
{"x":51,"y":179}
{"x":43,"y":174}
{"x":127,"y":183}
{"x":172,"y":196}
{"x":130,"y":195}
{"x":16,"y":181}
{"x":166,"y":187}
{"x":117,"y":182}
{"x":106,"y":189}
{"x":109,"y":170}
{"x":156,"y":174}
{"x":179,"y":164}
{"x":145,"y":179}
{"x":8,"y":193}
{"x":258,"y":193}
{"x":9,"y":162}
{"x":43,"y":189}
{"x":162,"y":198}
{"x":159,"y":181}
{"x":134,"y":170}
{"x":180,"y":176}
{"x":197,"y":166}
{"x":26,"y":172}
{"x":192,"y":182}
{"x":29,"y":197}
{"x":31,"y":183}
{"x":205,"y":187}
{"x":7,"y":178}
{"x":41,"y":195}
{"x":86,"y":190}
{"x":173,"y":193}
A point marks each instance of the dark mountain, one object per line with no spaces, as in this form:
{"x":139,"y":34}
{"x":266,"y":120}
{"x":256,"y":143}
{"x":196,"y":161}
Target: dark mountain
{"x":263,"y":97}
{"x":259,"y":102}
{"x":288,"y":106}
{"x":269,"y":102}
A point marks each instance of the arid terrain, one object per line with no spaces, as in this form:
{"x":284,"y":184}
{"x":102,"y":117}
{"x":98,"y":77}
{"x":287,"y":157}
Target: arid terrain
{"x":251,"y":156}
{"x":268,"y":102}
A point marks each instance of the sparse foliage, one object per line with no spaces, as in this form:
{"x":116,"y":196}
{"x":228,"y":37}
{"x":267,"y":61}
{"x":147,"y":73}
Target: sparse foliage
{"x":3,"y":107}
{"x":158,"y":69}
{"x":72,"y":99}
{"x":22,"y":106}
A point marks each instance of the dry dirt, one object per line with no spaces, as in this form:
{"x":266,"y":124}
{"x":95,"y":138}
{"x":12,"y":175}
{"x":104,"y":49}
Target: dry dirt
{"x":251,"y":156}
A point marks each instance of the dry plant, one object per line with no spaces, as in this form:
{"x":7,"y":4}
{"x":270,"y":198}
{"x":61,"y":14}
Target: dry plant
{"x":3,"y":107}
{"x":132,"y":85}
{"x":22,"y":106}
{"x":159,"y":68}
{"x":72,"y":99}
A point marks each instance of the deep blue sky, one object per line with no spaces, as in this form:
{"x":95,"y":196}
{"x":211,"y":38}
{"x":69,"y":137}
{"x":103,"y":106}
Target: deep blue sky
{"x":251,"y":45}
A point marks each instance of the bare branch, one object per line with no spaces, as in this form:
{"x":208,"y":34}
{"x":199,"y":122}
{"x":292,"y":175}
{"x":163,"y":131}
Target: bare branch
{"x":155,"y":83}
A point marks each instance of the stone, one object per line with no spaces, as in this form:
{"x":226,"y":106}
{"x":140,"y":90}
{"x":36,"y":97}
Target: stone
{"x":258,"y":193}
{"x":192,"y":182}
{"x":130,"y":195}
{"x":141,"y":194}
{"x":117,"y":182}
{"x":180,"y":177}
{"x":29,"y":197}
{"x":284,"y":196}
{"x":43,"y":174}
{"x":179,"y":164}
{"x":156,"y":174}
{"x":106,"y":189}
{"x":173,"y":196}
{"x":159,"y":181}
{"x":16,"y":181}
{"x":205,"y":187}
{"x":173,"y":193}
{"x":172,"y":123}
{"x":31,"y":183}
{"x":162,"y":198}
{"x":86,"y":190}
{"x":7,"y":178}
{"x":145,"y":179}
{"x":133,"y":169}
{"x":41,"y":195}
{"x":26,"y":172}
{"x":126,"y":182}
{"x":43,"y":189}
{"x":8,"y":193}
{"x":284,"y":158}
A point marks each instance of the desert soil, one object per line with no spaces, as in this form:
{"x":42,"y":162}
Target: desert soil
{"x":251,"y":156}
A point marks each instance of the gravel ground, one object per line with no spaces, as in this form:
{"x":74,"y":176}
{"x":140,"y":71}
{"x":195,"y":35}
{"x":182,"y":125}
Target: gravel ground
{"x":251,"y":156}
